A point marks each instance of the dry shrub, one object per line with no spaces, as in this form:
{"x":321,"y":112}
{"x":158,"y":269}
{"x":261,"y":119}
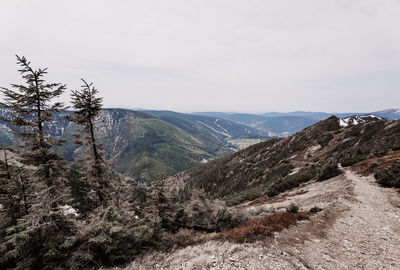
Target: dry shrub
{"x":315,"y":210}
{"x":255,"y":228}
{"x":185,"y":237}
{"x":292,"y":208}
{"x":372,"y":165}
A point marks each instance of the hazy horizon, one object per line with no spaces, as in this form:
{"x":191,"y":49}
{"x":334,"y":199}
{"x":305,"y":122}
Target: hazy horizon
{"x":250,"y":111}
{"x":229,"y":55}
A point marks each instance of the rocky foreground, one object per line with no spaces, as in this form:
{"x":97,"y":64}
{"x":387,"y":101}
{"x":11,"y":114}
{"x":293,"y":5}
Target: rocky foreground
{"x":358,"y":228}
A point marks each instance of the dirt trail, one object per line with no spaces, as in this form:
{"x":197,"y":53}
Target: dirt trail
{"x":365,"y":236}
{"x":359,"y":228}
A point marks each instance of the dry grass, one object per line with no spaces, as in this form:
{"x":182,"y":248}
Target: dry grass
{"x":253,"y":229}
{"x":185,"y":237}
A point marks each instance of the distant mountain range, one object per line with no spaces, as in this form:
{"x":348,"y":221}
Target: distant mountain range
{"x":147,"y":147}
{"x":285,"y":124}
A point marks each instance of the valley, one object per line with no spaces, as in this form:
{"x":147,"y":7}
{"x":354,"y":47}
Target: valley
{"x":200,"y":135}
{"x":147,"y":147}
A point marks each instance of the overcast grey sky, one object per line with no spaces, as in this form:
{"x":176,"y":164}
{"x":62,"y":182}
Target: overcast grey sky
{"x":213,"y":55}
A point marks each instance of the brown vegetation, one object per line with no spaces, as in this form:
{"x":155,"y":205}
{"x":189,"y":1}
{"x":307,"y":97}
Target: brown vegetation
{"x":372,"y":165}
{"x":250,"y":231}
{"x":253,"y":229}
{"x":186,"y":237}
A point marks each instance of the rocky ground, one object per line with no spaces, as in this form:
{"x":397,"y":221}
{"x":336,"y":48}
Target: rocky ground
{"x":359,"y":228}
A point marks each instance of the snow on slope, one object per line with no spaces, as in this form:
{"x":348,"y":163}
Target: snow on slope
{"x":357,"y":119}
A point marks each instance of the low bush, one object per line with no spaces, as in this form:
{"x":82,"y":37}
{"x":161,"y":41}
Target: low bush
{"x":350,"y":158}
{"x":324,"y":140}
{"x":260,"y":187}
{"x":113,"y":239}
{"x":389,"y":177}
{"x":292,"y":181}
{"x":328,"y":172}
{"x":315,"y":210}
{"x":292,"y":208}
{"x":396,"y":148}
{"x":245,"y":195}
{"x":373,"y":165}
{"x":38,"y":244}
{"x":203,"y":214}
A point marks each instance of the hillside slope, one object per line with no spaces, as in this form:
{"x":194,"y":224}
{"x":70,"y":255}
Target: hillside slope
{"x":149,"y":148}
{"x":139,"y":145}
{"x":285,"y":124}
{"x":146,"y":148}
{"x":211,"y":128}
{"x":271,"y":167}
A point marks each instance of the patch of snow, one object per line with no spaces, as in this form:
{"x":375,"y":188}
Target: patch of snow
{"x":343,"y":123}
{"x":312,"y":149}
{"x":358,"y":119}
{"x":372,"y":116}
{"x":295,"y":170}
{"x":204,"y":161}
{"x":68,"y":210}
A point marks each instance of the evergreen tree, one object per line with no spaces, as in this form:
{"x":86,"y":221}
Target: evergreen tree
{"x":10,"y":199}
{"x":13,"y":196}
{"x":34,"y":241}
{"x":87,"y":107}
{"x":31,"y":108}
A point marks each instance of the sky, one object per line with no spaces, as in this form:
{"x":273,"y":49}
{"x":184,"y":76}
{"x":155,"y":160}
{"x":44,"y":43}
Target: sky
{"x":212,"y":55}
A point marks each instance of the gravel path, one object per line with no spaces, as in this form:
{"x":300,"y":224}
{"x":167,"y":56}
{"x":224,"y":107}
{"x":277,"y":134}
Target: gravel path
{"x":366,"y":236}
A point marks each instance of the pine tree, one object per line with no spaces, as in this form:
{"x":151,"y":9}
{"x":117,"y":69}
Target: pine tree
{"x":13,"y":197}
{"x":10,"y":198}
{"x":34,"y":241}
{"x":31,"y":108}
{"x":87,"y":107}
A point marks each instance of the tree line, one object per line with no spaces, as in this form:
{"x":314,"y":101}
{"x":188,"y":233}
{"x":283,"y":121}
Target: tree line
{"x":30,"y":106}
{"x":37,"y":188}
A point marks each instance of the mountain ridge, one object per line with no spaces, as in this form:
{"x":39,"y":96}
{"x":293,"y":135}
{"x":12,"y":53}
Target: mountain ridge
{"x":271,"y":167}
{"x":141,"y":145}
{"x":285,"y":124}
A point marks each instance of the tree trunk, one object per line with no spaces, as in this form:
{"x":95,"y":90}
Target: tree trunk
{"x":6,"y":162}
{"x":23,"y":194}
{"x":39,"y":115}
{"x":93,"y":140}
